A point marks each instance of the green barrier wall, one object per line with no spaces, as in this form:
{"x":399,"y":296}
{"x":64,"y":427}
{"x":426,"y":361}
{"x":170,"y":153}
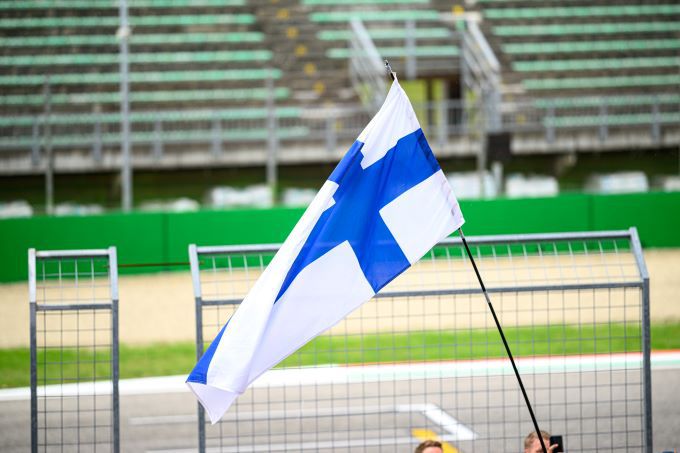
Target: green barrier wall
{"x":162,"y":238}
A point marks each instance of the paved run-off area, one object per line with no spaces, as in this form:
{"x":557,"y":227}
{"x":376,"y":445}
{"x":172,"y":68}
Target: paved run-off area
{"x":159,"y":414}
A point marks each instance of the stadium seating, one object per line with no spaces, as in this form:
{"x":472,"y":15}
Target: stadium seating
{"x":135,"y":39}
{"x":155,"y":77}
{"x":551,"y":50}
{"x":152,"y":116}
{"x":89,"y":5}
{"x":374,"y":16}
{"x":141,"y":57}
{"x":147,"y":97}
{"x":202,"y":61}
{"x":571,"y":102}
{"x":362,"y":2}
{"x":135,"y":21}
{"x":580,"y":83}
{"x":201,"y":136}
{"x":595,"y":64}
{"x":191,"y":63}
{"x":585,"y":29}
{"x":393,"y":52}
{"x":580,"y":11}
{"x":577,"y":47}
{"x":613,"y":120}
{"x":378,"y":34}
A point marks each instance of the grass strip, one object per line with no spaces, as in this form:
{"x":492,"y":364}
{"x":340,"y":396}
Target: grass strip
{"x":66,"y":365}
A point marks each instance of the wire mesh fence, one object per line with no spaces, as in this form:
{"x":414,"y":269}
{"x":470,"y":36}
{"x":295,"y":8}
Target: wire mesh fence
{"x":74,"y":350}
{"x":424,"y":359}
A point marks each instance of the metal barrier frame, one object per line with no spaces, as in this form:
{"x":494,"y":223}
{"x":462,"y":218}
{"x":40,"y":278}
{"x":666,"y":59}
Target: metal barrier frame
{"x":636,"y":249}
{"x":33,"y":257}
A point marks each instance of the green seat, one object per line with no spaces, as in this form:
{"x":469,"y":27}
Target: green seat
{"x":386,"y":33}
{"x":565,"y":103}
{"x":146,"y":57}
{"x":595,"y":64}
{"x":580,"y":11}
{"x":612,"y":120}
{"x":542,"y":1}
{"x":601,"y":82}
{"x":152,"y":116}
{"x":586,"y":29}
{"x":590,"y":46}
{"x":361,"y":2}
{"x":105,"y":40}
{"x":395,"y":52}
{"x":89,"y":4}
{"x":143,"y":77}
{"x":169,"y":96}
{"x":142,"y":138}
{"x":374,"y":16}
{"x":135,"y":21}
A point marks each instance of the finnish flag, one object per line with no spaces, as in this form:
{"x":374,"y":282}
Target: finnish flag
{"x":384,"y":206}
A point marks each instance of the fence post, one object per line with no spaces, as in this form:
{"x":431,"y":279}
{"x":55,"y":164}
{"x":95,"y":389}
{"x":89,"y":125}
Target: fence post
{"x":113,"y":278}
{"x":123,"y":35}
{"x":157,"y":139}
{"x":604,"y":129}
{"x":636,"y":247}
{"x":195,"y":277}
{"x":331,"y":138}
{"x":442,"y":133}
{"x":97,"y":145}
{"x":410,"y":45}
{"x":550,"y":126}
{"x":216,"y":136}
{"x":656,"y":121}
{"x":272,"y":137}
{"x":34,"y":357}
{"x":35,"y":142}
{"x":49,"y":152}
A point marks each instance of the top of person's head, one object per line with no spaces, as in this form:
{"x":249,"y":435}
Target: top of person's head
{"x":429,"y":444}
{"x":532,"y":436}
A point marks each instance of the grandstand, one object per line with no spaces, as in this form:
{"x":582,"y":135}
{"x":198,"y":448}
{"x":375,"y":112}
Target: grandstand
{"x":591,"y":66}
{"x":210,"y":80}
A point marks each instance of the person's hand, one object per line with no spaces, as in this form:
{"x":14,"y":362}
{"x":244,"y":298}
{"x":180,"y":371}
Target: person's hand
{"x":552,"y":448}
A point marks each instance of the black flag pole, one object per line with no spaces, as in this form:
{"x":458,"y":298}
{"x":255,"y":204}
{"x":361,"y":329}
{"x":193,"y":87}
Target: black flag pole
{"x":389,"y":70}
{"x":392,"y":75}
{"x":505,"y":342}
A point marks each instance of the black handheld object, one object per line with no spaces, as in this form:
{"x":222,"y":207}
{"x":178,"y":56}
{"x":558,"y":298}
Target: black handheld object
{"x":557,"y":440}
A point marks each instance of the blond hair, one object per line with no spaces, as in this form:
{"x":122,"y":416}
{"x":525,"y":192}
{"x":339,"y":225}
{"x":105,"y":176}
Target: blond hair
{"x":532,"y":435}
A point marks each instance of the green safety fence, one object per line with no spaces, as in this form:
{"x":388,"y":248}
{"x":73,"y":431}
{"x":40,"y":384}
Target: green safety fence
{"x":149,"y":238}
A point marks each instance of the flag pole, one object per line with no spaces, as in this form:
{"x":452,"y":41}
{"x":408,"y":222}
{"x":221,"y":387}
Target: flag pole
{"x":505,"y":342}
{"x":392,"y":75}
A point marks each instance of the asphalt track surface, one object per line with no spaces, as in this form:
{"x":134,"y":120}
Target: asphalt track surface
{"x":157,"y":417}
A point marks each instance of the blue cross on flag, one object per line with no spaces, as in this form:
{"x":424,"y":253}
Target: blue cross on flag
{"x":384,"y":206}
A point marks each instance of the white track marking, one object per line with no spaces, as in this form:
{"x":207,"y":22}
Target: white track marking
{"x":457,"y":431}
{"x":440,"y":417}
{"x":332,"y":374}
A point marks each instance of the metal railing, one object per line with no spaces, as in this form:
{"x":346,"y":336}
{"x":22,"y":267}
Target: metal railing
{"x":481,"y":73}
{"x":366,"y":71}
{"x":73,"y":297}
{"x":216,"y":133}
{"x":424,"y":358}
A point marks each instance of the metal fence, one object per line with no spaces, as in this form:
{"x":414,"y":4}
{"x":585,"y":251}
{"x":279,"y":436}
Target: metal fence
{"x":306,"y":134}
{"x":423,"y":358}
{"x":74,"y":350}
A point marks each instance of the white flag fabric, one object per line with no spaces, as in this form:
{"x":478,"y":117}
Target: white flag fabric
{"x":384,"y":206}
